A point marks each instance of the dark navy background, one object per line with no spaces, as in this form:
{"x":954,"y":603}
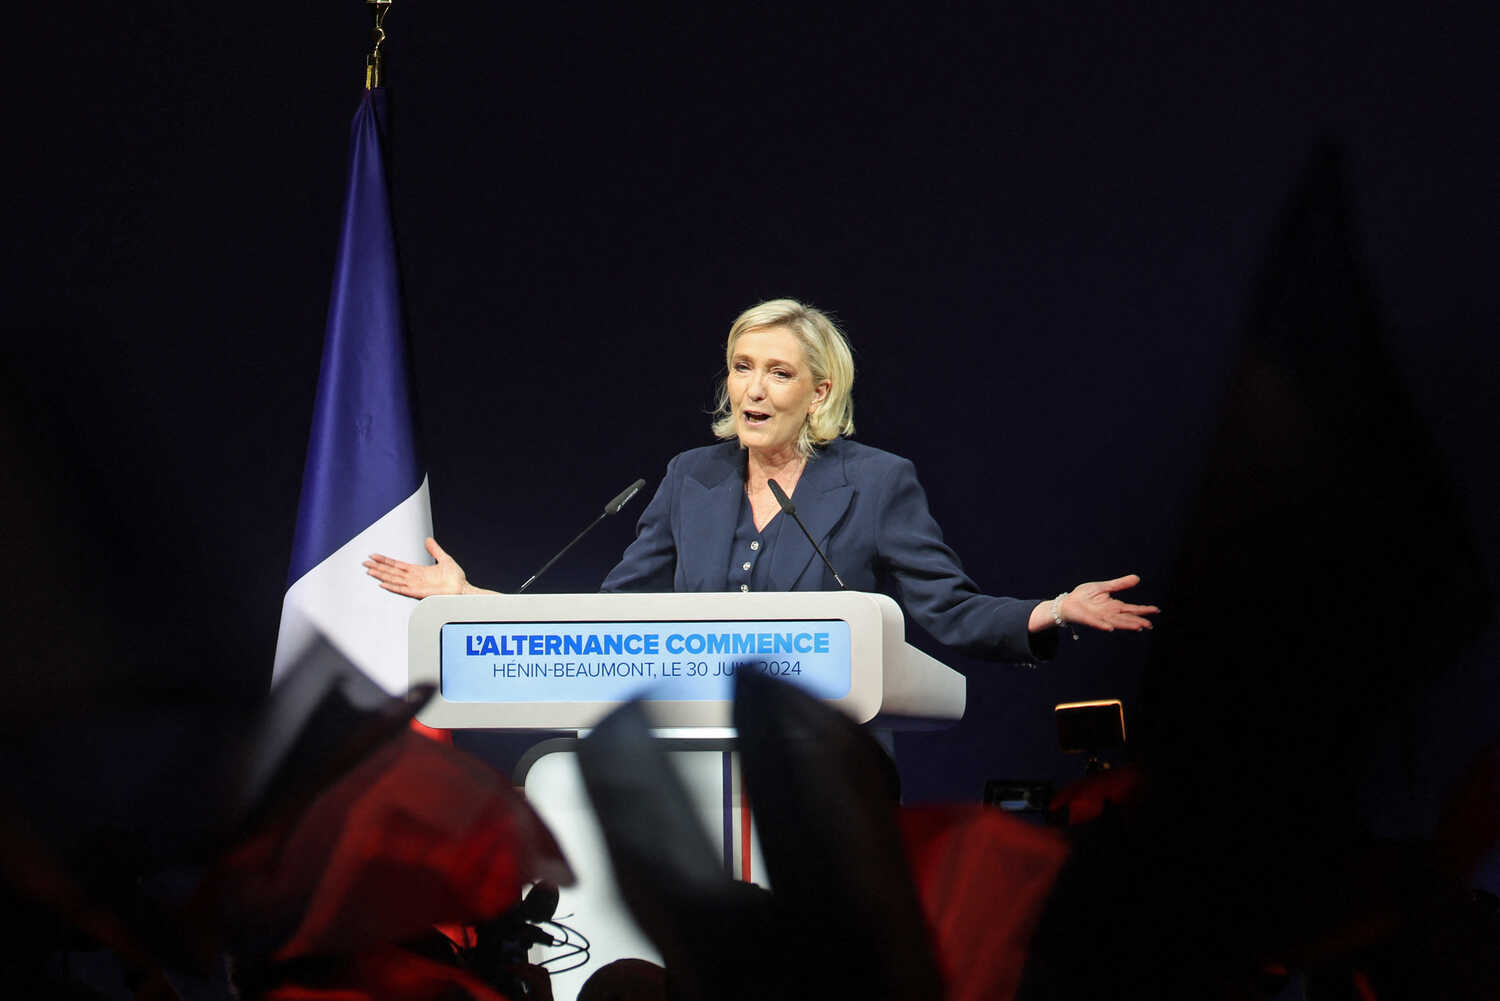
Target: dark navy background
{"x":1039,"y":225}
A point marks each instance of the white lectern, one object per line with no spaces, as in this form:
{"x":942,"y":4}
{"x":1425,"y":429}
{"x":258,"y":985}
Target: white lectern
{"x":565,"y":661}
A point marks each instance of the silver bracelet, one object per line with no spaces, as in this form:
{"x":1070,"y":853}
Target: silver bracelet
{"x":1057,"y":614}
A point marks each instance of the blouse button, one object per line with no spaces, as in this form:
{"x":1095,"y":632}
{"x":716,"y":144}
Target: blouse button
{"x":744,"y":587}
{"x":754,"y":545}
{"x":745,"y":566}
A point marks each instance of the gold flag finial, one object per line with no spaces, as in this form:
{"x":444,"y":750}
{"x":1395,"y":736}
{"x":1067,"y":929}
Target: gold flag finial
{"x":378,"y":10}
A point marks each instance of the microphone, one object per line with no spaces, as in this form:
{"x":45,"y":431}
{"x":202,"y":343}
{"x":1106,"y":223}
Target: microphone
{"x":541,"y":900}
{"x":791,"y":509}
{"x":623,"y":497}
{"x":613,"y":507}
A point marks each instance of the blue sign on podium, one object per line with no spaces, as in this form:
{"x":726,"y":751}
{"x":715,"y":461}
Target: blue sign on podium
{"x":564,"y":661}
{"x":501,"y":662}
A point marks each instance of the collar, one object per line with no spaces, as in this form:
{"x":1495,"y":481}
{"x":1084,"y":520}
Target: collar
{"x":711,"y":499}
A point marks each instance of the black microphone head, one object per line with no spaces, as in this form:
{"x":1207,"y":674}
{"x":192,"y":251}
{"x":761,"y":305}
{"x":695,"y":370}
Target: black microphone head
{"x":541,"y":902}
{"x":781,"y":497}
{"x":623,"y":497}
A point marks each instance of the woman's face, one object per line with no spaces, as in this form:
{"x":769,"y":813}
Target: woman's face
{"x":771,"y":390}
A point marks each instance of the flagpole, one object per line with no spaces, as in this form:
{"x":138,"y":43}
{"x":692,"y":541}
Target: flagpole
{"x":373,"y":65}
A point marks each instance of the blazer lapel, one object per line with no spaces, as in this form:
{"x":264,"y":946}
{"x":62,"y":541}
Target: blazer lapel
{"x":822,"y":496}
{"x":710,"y":511}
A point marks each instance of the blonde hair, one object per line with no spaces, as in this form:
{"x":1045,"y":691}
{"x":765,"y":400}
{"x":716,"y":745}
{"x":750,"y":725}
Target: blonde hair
{"x":828,"y":357}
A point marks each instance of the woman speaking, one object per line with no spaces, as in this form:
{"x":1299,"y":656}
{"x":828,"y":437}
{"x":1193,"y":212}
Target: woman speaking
{"x":785,"y":410}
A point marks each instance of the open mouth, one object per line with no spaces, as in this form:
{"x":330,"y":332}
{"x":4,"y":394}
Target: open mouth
{"x":754,"y":417}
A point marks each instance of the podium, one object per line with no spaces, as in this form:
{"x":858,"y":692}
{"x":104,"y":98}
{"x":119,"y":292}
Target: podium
{"x":565,"y":661}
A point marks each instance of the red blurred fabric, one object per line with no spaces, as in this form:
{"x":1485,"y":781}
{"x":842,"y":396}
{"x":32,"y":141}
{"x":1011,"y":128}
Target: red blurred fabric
{"x":1083,"y":801}
{"x":441,"y":736}
{"x":983,"y":878}
{"x":1469,"y":828}
{"x":389,"y":974}
{"x":416,"y":835}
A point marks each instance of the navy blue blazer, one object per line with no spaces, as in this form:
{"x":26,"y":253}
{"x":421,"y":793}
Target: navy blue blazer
{"x":868,"y":513}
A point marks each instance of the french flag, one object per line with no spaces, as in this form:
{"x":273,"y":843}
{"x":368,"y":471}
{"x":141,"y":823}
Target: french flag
{"x":363,"y":488}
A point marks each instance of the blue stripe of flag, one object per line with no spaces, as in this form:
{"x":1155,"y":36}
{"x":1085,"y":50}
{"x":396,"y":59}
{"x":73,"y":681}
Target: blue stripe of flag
{"x":362,"y":451}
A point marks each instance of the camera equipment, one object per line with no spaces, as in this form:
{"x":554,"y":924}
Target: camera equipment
{"x":1091,"y":728}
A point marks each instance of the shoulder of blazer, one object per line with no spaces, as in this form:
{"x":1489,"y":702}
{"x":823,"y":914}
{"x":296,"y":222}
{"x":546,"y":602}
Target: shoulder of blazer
{"x":711,"y":464}
{"x":862,"y":463}
{"x":839,"y":462}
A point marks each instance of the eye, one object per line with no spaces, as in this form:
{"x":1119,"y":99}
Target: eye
{"x":782,"y":374}
{"x":741,"y":366}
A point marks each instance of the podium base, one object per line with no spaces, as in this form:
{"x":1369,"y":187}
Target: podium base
{"x":553,"y":784}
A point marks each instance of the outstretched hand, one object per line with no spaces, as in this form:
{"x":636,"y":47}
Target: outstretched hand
{"x":1094,"y":605}
{"x":416,"y":580}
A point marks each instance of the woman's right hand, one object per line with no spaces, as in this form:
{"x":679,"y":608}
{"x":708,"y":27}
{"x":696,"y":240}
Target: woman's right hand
{"x":417,"y":581}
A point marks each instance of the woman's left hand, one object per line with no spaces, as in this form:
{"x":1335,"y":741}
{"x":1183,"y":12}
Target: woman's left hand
{"x":1094,"y":605}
